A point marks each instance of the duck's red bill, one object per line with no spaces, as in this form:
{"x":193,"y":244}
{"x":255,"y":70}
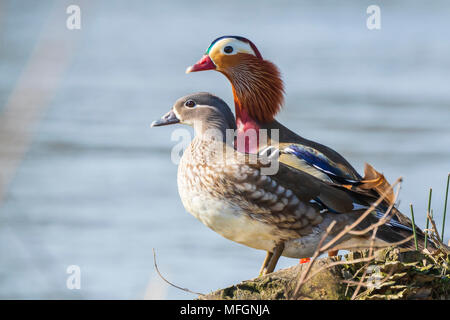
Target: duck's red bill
{"x":205,"y":63}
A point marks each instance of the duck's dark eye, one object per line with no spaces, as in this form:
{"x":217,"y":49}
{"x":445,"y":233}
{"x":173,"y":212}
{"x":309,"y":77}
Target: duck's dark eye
{"x":189,"y":104}
{"x":228,"y":49}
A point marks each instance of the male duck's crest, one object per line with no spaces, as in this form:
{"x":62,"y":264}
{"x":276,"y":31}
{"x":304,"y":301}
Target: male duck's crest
{"x":240,"y":39}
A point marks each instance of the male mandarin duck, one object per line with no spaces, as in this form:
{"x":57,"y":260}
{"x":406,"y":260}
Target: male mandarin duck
{"x":231,"y":195}
{"x":258,"y":96}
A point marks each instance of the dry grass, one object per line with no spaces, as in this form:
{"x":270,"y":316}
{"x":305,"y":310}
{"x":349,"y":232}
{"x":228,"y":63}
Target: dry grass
{"x":439,"y":258}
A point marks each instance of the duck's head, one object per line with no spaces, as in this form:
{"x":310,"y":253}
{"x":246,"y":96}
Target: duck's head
{"x":257,"y":85}
{"x":203,"y":111}
{"x":225,"y":53}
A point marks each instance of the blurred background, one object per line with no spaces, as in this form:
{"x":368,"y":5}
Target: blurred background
{"x":85,"y":181}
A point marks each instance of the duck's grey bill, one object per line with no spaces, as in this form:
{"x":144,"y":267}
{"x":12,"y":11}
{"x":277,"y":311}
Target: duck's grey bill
{"x":168,"y":118}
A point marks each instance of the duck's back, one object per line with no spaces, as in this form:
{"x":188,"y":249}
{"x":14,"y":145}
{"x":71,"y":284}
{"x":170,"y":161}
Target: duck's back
{"x":288,"y":137}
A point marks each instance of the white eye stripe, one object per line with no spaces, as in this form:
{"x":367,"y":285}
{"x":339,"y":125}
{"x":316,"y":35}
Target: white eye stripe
{"x":237,"y":45}
{"x":176,"y":113}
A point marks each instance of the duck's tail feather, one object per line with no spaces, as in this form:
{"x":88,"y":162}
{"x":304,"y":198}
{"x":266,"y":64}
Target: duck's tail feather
{"x":397,"y":229}
{"x":374,"y":180}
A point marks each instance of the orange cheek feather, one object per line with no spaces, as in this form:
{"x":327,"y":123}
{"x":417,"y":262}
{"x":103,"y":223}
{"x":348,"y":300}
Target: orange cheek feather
{"x":257,"y":85}
{"x":223,"y":62}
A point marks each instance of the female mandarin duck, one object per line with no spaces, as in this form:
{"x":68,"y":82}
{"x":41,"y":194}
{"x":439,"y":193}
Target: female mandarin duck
{"x":232,"y":196}
{"x":258,"y":96}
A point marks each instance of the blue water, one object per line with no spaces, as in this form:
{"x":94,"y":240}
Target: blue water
{"x":96,"y":187}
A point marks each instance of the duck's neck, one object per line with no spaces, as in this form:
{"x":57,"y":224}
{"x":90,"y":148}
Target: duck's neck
{"x":258,"y":96}
{"x":247,"y":138}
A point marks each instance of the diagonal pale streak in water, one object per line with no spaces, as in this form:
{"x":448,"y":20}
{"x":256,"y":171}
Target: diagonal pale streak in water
{"x":33,"y":91}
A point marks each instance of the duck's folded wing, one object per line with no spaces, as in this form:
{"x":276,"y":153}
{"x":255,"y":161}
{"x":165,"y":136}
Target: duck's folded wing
{"x":295,"y":201}
{"x":290,"y":200}
{"x":304,"y":186}
{"x":316,"y":163}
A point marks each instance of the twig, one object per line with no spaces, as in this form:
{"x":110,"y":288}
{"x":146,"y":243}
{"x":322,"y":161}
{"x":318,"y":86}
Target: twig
{"x":381,"y":221}
{"x":355,"y":283}
{"x":338,"y":263}
{"x":372,"y":241}
{"x":361,"y":218}
{"x":353,"y":277}
{"x":348,"y":229}
{"x":391,"y":271}
{"x":367,"y":259}
{"x":170,"y":283}
{"x":360,"y":282}
{"x":390,"y":244}
{"x":313,"y":259}
{"x":433,"y":226}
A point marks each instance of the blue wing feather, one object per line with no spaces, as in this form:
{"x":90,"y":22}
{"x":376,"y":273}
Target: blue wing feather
{"x":317,"y":160}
